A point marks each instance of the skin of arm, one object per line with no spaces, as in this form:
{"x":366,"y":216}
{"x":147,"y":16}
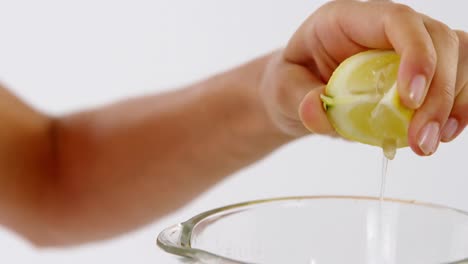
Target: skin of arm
{"x":94,"y":174}
{"x":103,"y":172}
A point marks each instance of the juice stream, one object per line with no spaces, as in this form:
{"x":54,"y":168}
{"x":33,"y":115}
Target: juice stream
{"x":389,"y":151}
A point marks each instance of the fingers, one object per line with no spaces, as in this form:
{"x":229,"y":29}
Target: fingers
{"x":429,"y":119}
{"x":459,"y":116}
{"x":429,"y":79}
{"x":343,"y":28}
{"x":401,"y":28}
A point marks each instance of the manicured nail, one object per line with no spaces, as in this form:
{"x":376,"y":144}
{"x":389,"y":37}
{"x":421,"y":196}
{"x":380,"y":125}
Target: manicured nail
{"x":449,"y":129}
{"x":417,"y":90}
{"x":429,"y":138}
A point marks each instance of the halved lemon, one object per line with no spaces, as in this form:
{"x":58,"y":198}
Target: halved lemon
{"x":362,"y":101}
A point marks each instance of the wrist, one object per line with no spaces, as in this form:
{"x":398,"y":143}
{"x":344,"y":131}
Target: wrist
{"x":281,"y":91}
{"x":235,"y":99}
{"x":261,"y":118}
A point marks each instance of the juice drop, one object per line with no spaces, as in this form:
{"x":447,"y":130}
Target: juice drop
{"x":389,"y":148}
{"x":389,"y":151}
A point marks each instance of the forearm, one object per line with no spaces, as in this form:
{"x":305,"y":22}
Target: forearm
{"x":139,"y":159}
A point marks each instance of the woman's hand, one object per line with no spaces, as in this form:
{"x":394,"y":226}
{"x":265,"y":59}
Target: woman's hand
{"x":431,"y":79}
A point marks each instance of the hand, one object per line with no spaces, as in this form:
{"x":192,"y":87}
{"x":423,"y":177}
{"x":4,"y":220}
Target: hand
{"x":431,"y":79}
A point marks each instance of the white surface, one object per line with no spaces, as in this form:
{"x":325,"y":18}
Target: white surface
{"x":66,"y":55}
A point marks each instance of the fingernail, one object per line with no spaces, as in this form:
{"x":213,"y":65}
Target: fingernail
{"x":417,"y":89}
{"x":449,"y":129}
{"x":429,"y":138}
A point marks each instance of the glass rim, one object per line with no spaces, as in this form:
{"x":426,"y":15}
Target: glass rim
{"x":176,"y":239}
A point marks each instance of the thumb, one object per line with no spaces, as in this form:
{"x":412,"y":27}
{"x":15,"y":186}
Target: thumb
{"x":313,"y":114}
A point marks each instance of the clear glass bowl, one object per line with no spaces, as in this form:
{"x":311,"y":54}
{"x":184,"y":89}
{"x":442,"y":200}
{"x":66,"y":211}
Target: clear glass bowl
{"x":322,"y":230}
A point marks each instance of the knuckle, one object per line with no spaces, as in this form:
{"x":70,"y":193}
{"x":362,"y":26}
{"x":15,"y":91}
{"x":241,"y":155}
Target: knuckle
{"x":440,"y":100}
{"x":462,"y":44}
{"x":425,"y":57}
{"x":401,"y":10}
{"x":450,"y":36}
{"x":331,"y":5}
{"x":447,"y":95}
{"x":429,"y":56}
{"x":462,"y":38}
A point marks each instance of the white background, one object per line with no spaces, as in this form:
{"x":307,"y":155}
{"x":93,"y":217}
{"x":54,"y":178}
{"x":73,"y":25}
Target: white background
{"x":63,"y":56}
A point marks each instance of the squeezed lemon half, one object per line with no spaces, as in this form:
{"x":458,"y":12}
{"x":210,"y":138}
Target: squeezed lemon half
{"x":362,"y":103}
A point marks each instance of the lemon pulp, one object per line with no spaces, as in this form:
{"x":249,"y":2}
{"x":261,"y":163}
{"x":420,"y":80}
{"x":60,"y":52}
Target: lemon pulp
{"x":362,"y":102}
